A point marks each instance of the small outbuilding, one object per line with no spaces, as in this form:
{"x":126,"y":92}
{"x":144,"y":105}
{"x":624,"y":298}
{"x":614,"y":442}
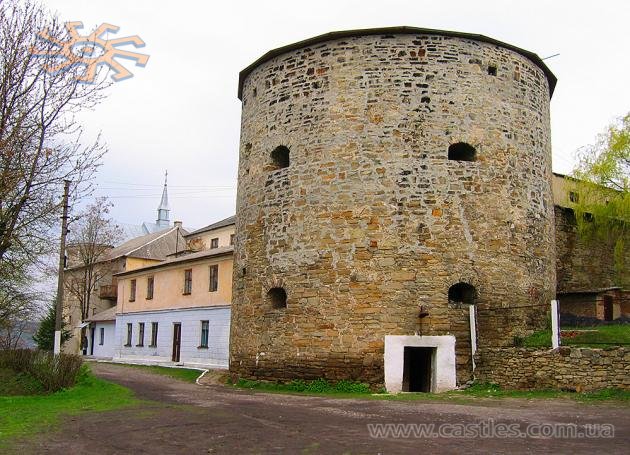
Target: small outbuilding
{"x":101,"y":333}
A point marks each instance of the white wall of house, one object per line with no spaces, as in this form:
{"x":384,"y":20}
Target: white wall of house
{"x":214,"y":356}
{"x":443,"y":374}
{"x":106,"y":349}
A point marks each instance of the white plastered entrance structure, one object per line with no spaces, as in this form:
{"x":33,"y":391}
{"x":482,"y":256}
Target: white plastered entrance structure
{"x":443,"y":375}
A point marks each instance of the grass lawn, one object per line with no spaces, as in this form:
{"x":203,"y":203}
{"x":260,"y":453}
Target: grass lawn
{"x":183,"y":374}
{"x":25,"y":415}
{"x":598,"y":337}
{"x":12,"y":383}
{"x":461,"y":396}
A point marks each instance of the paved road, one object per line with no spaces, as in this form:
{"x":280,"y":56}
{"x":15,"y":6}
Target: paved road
{"x":184,"y":418}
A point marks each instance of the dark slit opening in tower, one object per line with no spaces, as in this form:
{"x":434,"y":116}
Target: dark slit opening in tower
{"x":417,"y":369}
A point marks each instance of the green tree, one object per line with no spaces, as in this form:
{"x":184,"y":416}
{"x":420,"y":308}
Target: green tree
{"x":601,"y":199}
{"x":45,"y":336}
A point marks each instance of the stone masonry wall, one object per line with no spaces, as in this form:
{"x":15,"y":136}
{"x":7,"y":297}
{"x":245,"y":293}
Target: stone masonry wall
{"x":568,"y":368}
{"x":370,"y":220}
{"x":582,"y":266}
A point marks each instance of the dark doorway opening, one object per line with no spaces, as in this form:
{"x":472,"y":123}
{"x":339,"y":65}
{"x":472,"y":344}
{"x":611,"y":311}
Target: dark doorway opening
{"x":177,"y":341}
{"x":92,"y":329}
{"x":417,"y":369}
{"x":608,"y":308}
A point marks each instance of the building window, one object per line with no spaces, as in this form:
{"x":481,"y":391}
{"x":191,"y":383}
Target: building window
{"x":187,"y":281}
{"x":462,"y":293}
{"x":232,"y":239}
{"x":574,"y":197}
{"x":280,"y":157}
{"x":154,"y":332}
{"x":214,"y":243}
{"x":140,"y":334}
{"x":101,"y":336}
{"x":214,"y":277}
{"x":129,"y":334}
{"x":150,"y":283}
{"x":277,"y":297}
{"x":462,"y":152}
{"x":132,"y":291}
{"x":205,"y":329}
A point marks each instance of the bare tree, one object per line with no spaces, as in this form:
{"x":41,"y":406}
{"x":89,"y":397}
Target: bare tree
{"x":18,"y":309}
{"x":92,"y":236}
{"x":40,"y":139}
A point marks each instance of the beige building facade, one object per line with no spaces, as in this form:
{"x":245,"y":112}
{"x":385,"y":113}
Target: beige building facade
{"x":133,"y":254}
{"x":178,"y":311}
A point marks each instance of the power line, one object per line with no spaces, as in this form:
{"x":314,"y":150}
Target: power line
{"x":149,"y":185}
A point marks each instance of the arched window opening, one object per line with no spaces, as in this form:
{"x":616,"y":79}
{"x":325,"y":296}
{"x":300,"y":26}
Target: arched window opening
{"x":277,"y":297}
{"x":280,"y":157}
{"x":462,"y":152}
{"x":462,"y":293}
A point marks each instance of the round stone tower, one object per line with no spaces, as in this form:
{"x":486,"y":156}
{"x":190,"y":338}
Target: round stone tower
{"x":389,"y":180}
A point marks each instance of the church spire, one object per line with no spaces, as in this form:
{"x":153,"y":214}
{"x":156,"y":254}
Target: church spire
{"x":163,"y":209}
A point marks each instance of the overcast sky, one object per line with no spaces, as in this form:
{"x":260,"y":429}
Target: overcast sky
{"x":181,"y":112}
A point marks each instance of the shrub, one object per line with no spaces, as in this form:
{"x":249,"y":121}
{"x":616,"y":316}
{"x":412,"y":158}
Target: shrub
{"x":54,"y":372}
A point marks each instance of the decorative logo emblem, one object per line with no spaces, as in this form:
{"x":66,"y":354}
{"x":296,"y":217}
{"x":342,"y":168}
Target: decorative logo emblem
{"x":91,"y":51}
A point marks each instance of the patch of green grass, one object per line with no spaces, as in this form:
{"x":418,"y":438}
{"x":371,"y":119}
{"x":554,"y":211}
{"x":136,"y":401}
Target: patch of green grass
{"x":597,"y":337}
{"x":318,"y":386}
{"x":494,"y":391}
{"x":183,"y":374}
{"x":361,"y":391}
{"x":12,"y":383}
{"x":25,"y":415}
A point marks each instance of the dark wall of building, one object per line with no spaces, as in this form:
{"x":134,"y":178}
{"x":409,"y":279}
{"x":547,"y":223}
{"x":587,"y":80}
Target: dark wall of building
{"x":582,"y":266}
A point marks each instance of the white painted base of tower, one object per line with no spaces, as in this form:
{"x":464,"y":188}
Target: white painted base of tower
{"x":443,"y":376}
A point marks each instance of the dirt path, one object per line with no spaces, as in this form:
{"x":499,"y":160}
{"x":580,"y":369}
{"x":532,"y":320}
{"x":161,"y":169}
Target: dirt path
{"x":184,"y":418}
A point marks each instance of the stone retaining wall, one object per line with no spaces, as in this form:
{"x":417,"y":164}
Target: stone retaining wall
{"x":570,"y":368}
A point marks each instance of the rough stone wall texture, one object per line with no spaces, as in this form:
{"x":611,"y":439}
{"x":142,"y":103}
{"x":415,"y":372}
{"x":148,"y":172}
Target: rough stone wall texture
{"x":576,"y":369}
{"x":371,"y":220}
{"x":580,"y":265}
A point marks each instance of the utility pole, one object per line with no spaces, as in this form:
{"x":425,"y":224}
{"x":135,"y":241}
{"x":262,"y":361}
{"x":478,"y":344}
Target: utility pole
{"x":62,"y":265}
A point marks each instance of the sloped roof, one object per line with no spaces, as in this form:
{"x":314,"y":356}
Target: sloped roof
{"x":225,"y":250}
{"x":107,"y":315}
{"x":156,"y":245}
{"x":589,"y":291}
{"x":393,"y":31}
{"x":219,"y":224}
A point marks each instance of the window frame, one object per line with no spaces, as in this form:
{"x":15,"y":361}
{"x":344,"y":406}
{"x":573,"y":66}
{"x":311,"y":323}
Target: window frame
{"x":187,"y":282}
{"x":132,"y":290}
{"x":204,"y":334}
{"x":154,"y":335}
{"x":213,"y":278}
{"x":129,"y":334}
{"x":214,"y":243}
{"x":150,"y":287}
{"x":140,"y":335}
{"x":232,"y":238}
